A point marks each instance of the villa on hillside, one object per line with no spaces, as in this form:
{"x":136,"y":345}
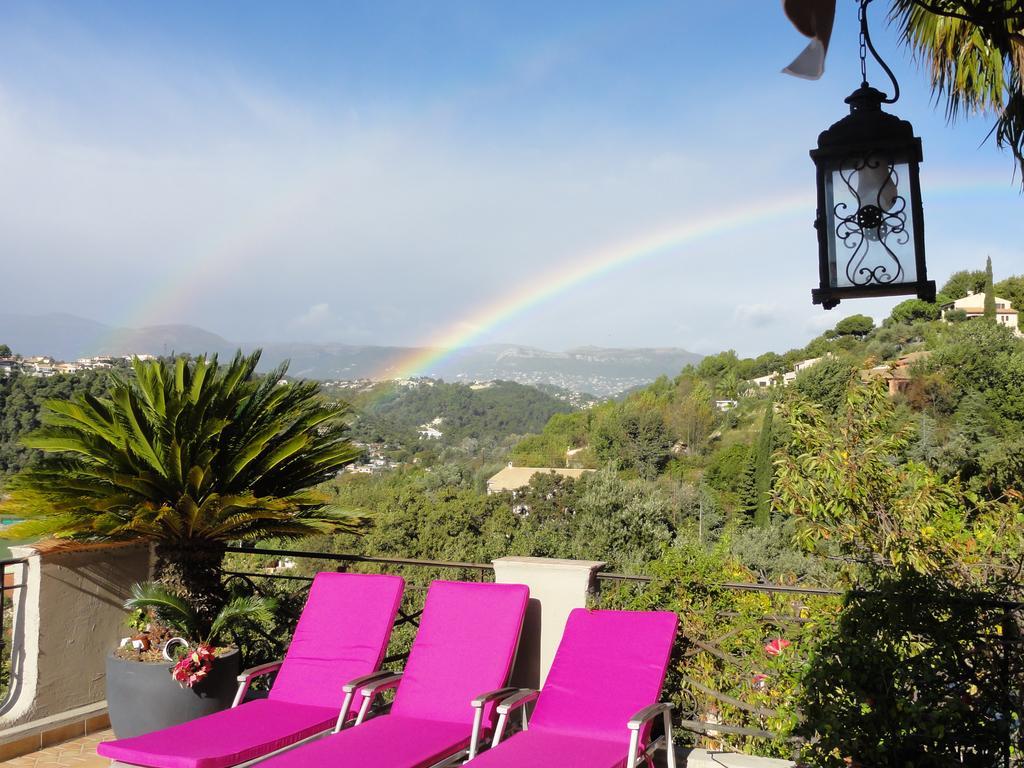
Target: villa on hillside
{"x":973,"y":305}
{"x":513,"y":478}
{"x":896,"y":374}
{"x":784,"y":379}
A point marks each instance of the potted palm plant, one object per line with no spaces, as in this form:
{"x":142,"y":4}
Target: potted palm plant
{"x":189,"y":455}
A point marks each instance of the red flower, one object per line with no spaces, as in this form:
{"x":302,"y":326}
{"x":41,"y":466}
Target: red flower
{"x":195,"y":666}
{"x":759,"y":681}
{"x":776,"y":646}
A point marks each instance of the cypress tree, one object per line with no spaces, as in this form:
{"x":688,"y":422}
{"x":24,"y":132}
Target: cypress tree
{"x":990,"y":292}
{"x":763,"y":470}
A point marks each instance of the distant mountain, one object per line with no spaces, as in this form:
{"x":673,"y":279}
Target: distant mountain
{"x":598,"y":370}
{"x":68,"y":337}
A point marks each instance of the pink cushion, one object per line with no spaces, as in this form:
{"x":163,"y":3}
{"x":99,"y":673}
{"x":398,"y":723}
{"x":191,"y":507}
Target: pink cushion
{"x":224,"y":738}
{"x":383,"y":742}
{"x":465,"y":646}
{"x":608,"y":666}
{"x":342,"y":634}
{"x":538,"y":749}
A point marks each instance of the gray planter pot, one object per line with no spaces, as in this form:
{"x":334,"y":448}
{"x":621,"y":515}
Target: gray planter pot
{"x":142,"y":696}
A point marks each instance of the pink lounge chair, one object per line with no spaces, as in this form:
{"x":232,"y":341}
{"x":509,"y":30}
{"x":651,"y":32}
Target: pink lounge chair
{"x":337,"y":646}
{"x":466,"y":644}
{"x":598,"y":701}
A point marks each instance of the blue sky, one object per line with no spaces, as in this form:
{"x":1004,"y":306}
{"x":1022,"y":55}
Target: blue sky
{"x":376,"y":172}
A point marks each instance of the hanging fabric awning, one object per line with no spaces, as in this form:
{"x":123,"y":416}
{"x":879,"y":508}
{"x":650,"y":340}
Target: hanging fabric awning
{"x":814,"y":19}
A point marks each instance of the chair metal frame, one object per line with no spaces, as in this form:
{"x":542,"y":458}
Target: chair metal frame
{"x":635,"y":755}
{"x":391,"y":681}
{"x":245,"y":679}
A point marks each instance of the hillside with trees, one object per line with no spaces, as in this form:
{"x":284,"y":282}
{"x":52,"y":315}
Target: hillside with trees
{"x":21,"y":399}
{"x":963,"y":397}
{"x":886,"y":458}
{"x":424,"y":417}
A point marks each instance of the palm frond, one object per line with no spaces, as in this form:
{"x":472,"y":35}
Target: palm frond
{"x":169,"y":608}
{"x":249,"y":608}
{"x":974,"y":56}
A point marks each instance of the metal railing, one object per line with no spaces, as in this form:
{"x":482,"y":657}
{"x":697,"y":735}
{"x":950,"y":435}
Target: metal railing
{"x":700,"y":700}
{"x":999,"y":632}
{"x":8,"y":649}
{"x":786,"y":610}
{"x":414,"y":569}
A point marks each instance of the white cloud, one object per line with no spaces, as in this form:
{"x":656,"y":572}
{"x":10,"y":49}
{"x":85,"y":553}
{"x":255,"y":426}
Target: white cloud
{"x":757,"y":314}
{"x":313,"y":318}
{"x":152,"y":190}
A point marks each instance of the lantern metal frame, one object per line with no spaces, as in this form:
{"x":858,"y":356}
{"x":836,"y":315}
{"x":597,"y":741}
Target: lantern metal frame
{"x":849,"y":145}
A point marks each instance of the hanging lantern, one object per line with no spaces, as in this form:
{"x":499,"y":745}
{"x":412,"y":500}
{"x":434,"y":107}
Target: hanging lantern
{"x":870,"y":221}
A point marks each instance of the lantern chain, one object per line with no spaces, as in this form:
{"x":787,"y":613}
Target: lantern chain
{"x":867,"y":46}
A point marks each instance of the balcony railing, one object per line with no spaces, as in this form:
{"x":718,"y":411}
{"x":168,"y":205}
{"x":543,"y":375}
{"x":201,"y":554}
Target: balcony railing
{"x":418,"y":574}
{"x":701,"y":699}
{"x":715,"y":676}
{"x":730,"y":714}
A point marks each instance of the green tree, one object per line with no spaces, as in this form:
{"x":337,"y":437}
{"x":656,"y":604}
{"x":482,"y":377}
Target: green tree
{"x":1012,"y":289}
{"x":726,"y":469}
{"x":824,"y":382}
{"x":693,"y":419}
{"x":763,"y":469}
{"x":990,"y":294}
{"x":855,"y":325}
{"x":912,"y":310}
{"x":5,"y":351}
{"x":729,"y":385}
{"x":189,"y":455}
{"x":962,"y":283}
{"x":844,"y":479}
{"x":645,"y":441}
{"x":716,"y":366}
{"x":985,"y":358}
{"x":911,"y":674}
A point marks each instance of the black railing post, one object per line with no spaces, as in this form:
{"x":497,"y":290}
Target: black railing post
{"x":7,"y":649}
{"x":1008,"y":713}
{"x":3,"y":615}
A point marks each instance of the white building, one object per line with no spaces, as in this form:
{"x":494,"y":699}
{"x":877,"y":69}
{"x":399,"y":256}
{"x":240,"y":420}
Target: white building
{"x":784,"y":379}
{"x":973,"y":305}
{"x":513,"y":478}
{"x":771,"y":380}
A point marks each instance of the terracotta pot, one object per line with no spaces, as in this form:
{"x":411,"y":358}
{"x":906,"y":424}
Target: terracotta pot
{"x":143,"y":697}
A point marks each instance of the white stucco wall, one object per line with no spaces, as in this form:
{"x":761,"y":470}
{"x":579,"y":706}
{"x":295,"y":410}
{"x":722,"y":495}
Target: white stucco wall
{"x":68,"y":617}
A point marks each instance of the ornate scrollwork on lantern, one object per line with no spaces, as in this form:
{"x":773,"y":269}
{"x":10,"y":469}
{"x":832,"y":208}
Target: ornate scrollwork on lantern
{"x":872,"y":228}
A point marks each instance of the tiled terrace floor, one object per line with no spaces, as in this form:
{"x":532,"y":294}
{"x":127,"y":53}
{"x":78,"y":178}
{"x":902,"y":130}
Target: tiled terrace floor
{"x":80,"y":753}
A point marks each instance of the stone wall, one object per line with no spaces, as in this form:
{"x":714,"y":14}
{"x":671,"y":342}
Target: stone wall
{"x":68,"y":617}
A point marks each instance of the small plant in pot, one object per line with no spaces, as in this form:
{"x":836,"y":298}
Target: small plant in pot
{"x":178,"y":634}
{"x":188,"y":455}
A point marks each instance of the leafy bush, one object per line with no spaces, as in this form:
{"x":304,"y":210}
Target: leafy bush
{"x":740,"y":654}
{"x":911,"y":674}
{"x":855,"y":325}
{"x":912,"y":310}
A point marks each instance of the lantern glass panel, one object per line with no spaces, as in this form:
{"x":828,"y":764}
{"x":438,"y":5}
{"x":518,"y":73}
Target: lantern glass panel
{"x":870,"y":222}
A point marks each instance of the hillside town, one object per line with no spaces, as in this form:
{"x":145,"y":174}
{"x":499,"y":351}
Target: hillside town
{"x":42,"y":366}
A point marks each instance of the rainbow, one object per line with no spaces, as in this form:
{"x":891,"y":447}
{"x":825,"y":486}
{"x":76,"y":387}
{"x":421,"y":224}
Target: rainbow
{"x":486,"y":318}
{"x":210,"y":263}
{"x":216,"y":259}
